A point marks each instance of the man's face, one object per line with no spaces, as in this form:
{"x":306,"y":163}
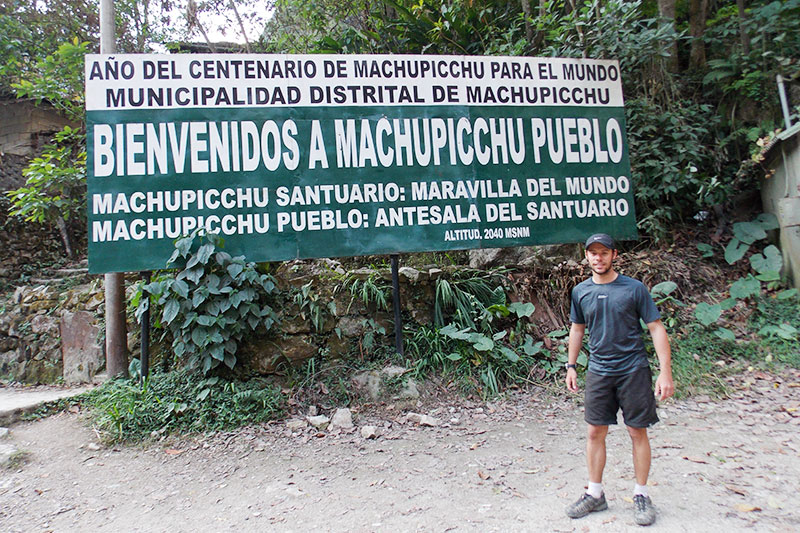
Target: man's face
{"x":600,"y":258}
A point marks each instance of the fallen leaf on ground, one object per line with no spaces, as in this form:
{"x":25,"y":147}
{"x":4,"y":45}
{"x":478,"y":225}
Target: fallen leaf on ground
{"x":746,"y":508}
{"x":173,"y":452}
{"x":484,"y":476}
{"x":737,"y":490}
{"x":695,"y":459}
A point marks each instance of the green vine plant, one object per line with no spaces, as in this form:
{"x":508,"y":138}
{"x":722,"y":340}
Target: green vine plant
{"x":766,"y":265}
{"x":312,"y":307}
{"x":210,"y":303}
{"x":370,"y":291}
{"x":55,"y":187}
{"x":477,"y":336}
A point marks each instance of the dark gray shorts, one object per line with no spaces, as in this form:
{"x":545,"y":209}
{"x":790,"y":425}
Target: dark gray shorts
{"x":633,"y":393}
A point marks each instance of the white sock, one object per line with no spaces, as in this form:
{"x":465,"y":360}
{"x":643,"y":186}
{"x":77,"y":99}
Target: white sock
{"x":595,"y":490}
{"x":640,"y":489}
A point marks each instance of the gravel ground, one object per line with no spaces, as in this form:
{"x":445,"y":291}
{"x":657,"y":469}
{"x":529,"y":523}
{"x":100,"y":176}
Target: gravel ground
{"x":511,"y":465}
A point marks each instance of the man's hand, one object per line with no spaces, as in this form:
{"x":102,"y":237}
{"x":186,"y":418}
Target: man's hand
{"x":572,"y":380}
{"x":664,"y":386}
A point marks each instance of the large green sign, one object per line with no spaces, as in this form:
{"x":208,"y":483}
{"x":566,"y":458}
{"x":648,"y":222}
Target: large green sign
{"x":325,"y":156}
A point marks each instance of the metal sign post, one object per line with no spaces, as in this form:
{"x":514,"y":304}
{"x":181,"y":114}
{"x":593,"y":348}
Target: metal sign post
{"x":398,"y":321}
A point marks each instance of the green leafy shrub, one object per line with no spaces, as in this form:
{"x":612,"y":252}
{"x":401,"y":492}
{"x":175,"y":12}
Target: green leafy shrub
{"x":489,"y":359}
{"x":211,"y":303}
{"x":777,"y":321}
{"x":670,"y":162}
{"x":180,"y":401}
{"x":55,"y":186}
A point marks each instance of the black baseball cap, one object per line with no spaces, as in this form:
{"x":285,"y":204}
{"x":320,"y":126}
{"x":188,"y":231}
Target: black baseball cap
{"x":603,"y":239}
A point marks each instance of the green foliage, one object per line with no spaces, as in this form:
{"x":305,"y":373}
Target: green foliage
{"x":700,"y":362}
{"x":58,"y":79}
{"x":55,"y":184}
{"x":488,"y":360}
{"x":777,"y":321}
{"x":211,"y":303}
{"x":465,"y":298}
{"x":312,"y":308}
{"x":372,"y":291}
{"x":615,"y":29}
{"x":670,"y":157}
{"x":180,"y":401}
{"x":706,"y":249}
{"x":29,"y":32}
{"x":772,"y":29}
{"x":662,"y":295}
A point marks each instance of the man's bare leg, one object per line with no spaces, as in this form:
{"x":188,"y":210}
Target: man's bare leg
{"x":641,"y":454}
{"x":596,"y":452}
{"x":644,"y":513}
{"x":594,"y":499}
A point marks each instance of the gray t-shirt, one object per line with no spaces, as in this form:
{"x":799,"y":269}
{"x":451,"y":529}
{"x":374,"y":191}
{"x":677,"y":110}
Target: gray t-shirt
{"x":611,"y":312}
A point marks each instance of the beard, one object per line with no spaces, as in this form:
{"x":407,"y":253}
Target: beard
{"x":600,"y":270}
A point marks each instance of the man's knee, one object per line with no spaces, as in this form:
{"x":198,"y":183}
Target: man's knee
{"x":637,"y":434}
{"x":597,"y":433}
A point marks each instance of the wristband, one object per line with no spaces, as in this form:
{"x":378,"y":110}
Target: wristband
{"x":570,"y":365}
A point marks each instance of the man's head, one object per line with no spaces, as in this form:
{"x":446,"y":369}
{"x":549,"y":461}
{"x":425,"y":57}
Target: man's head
{"x":601,"y":250}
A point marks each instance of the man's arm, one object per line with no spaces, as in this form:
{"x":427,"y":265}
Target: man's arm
{"x":576,"y":332}
{"x":664,"y":385}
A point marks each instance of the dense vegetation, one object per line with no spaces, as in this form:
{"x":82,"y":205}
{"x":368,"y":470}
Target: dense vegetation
{"x":701,"y":98}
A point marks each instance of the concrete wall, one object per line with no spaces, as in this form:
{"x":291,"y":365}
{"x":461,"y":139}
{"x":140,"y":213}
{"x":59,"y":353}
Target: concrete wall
{"x":780,"y":194}
{"x":25,"y":127}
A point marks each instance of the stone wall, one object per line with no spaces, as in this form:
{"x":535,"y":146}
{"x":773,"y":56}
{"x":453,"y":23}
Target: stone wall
{"x":345,"y":322}
{"x":51,"y":333}
{"x":26,"y":127}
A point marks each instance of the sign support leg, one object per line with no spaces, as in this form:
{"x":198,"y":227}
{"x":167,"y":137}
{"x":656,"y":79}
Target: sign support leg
{"x":398,"y":321}
{"x":145,"y":360}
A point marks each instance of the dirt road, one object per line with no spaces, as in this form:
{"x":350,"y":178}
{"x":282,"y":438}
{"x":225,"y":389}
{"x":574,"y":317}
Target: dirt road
{"x":507,"y":466}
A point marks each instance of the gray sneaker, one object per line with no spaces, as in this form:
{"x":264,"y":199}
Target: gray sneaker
{"x":587,"y":504}
{"x":644,"y":513}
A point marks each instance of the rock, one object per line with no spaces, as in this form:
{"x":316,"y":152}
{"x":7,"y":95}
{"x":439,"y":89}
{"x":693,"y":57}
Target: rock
{"x":342,"y":418}
{"x":319,"y":421}
{"x":44,"y":324}
{"x":422,"y":420}
{"x":93,"y":446}
{"x":544,"y":256}
{"x":411,"y":274}
{"x":296,"y":424}
{"x":82,"y":354}
{"x":264,"y":355}
{"x":369,"y":432}
{"x":435,"y":273}
{"x":393,"y":371}
{"x":7,"y":452}
{"x":409,"y":391}
{"x":351,"y":326}
{"x":95,"y":301}
{"x":370,"y":382}
{"x":3,"y":433}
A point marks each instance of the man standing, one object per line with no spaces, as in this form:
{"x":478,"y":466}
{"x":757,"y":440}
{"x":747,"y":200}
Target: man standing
{"x":618,"y":375}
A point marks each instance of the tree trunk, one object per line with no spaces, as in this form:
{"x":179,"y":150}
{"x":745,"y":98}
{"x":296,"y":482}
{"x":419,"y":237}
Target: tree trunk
{"x":698,"y":12}
{"x":241,"y":26}
{"x":526,"y":9}
{"x":538,"y":39}
{"x":742,"y":29}
{"x":666,"y":10}
{"x":65,"y":237}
